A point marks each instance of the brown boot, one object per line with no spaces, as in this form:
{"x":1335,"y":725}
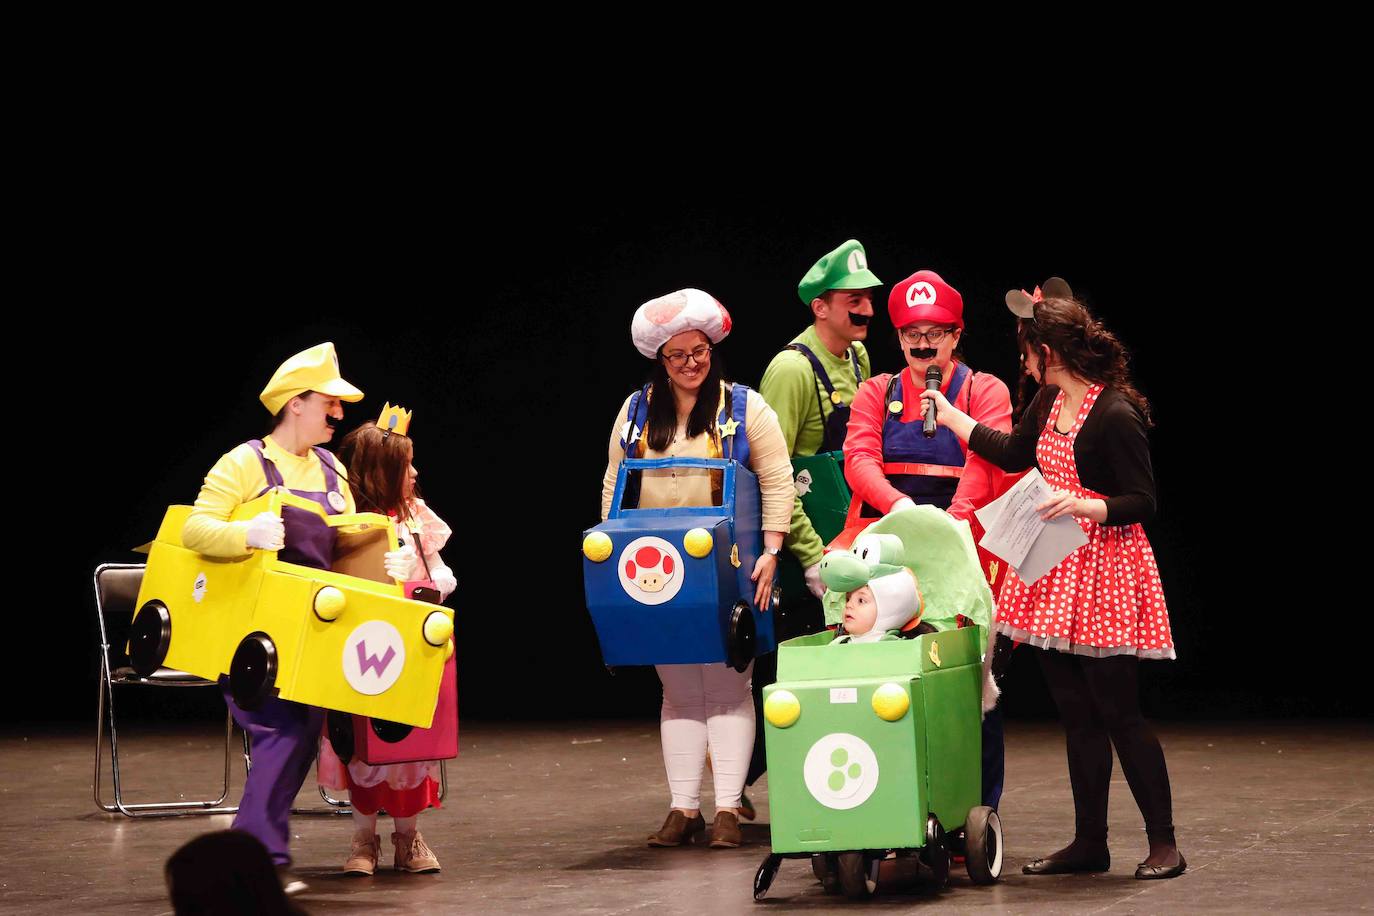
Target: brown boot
{"x":362,"y":857}
{"x":725,"y":831}
{"x":677,"y":829}
{"x":412,"y":853}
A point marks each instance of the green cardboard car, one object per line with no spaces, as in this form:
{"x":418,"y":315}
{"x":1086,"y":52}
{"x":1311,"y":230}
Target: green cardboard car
{"x":874,"y":749}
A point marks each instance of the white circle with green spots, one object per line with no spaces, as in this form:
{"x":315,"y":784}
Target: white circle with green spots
{"x":841,"y":771}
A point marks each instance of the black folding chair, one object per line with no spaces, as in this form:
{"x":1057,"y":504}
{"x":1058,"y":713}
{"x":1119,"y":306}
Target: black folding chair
{"x":116,"y":591}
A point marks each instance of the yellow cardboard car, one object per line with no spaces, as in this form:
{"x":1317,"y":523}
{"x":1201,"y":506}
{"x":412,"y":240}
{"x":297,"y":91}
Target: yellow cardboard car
{"x":344,"y":638}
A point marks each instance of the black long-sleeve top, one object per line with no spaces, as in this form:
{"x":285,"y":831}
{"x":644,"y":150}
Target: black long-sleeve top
{"x":1112,"y":451}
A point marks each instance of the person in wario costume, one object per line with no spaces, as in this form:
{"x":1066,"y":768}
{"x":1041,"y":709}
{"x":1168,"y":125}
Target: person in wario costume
{"x":891,"y":465}
{"x":305,"y":396}
{"x":686,"y":410}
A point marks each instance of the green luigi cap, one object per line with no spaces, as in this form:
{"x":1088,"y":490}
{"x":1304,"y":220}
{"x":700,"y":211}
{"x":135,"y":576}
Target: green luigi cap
{"x":844,"y":268}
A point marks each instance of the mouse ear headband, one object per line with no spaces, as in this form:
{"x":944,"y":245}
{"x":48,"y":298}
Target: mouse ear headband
{"x":1022,"y":303}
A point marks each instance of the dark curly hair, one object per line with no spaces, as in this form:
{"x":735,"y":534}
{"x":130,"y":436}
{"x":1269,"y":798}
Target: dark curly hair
{"x":1087,"y":349}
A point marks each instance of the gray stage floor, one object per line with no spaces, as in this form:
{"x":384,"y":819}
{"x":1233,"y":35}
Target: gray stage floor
{"x":552,"y":818}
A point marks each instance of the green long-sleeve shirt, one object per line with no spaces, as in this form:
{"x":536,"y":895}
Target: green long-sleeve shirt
{"x":791,"y":388}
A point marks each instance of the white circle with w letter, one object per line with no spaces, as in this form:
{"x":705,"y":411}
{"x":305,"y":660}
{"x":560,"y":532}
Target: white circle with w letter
{"x":373,"y":657}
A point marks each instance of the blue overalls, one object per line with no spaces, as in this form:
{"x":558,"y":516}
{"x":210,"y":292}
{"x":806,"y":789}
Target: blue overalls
{"x":837,"y":424}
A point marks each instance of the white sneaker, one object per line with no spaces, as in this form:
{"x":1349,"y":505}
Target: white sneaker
{"x":291,"y":884}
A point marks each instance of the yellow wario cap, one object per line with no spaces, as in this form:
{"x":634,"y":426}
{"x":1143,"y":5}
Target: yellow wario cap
{"x":316,"y":369}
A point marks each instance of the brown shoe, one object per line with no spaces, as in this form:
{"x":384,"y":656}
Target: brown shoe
{"x":412,"y":854}
{"x":677,"y":829}
{"x":725,"y":831}
{"x":362,"y":857}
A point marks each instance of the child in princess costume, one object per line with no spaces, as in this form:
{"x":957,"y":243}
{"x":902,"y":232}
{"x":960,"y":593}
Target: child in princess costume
{"x":380,"y":458}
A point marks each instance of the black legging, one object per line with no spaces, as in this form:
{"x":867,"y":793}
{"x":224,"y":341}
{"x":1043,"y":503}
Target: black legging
{"x":1098,"y":700}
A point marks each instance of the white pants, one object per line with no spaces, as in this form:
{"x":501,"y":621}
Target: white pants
{"x":706,"y":705}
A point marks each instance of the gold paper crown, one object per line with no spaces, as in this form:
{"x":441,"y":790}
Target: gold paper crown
{"x":394,"y":420}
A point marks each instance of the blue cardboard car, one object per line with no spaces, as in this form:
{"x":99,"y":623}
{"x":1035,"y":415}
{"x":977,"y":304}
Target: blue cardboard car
{"x":671,"y":586}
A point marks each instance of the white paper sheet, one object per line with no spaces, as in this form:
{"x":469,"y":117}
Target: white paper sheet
{"x":1015,"y":533}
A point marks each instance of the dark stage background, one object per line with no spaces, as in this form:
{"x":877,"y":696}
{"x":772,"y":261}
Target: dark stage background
{"x":505,"y":328}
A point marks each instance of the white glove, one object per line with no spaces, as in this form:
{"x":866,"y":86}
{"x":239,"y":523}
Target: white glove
{"x":813,"y":580}
{"x":444,"y":580}
{"x":400,"y":564}
{"x":903,"y":503}
{"x":266,"y":532}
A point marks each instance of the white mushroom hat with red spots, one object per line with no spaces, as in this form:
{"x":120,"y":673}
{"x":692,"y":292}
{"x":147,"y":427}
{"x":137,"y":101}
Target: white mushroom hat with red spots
{"x":658,"y":320}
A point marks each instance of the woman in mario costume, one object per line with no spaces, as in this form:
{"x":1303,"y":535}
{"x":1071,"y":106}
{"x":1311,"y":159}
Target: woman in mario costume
{"x":891,"y":464}
{"x":305,"y":397}
{"x":380,"y":458}
{"x":1101,"y":609}
{"x":686,"y":410}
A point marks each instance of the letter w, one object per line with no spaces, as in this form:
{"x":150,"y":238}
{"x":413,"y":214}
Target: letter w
{"x":366,"y":661}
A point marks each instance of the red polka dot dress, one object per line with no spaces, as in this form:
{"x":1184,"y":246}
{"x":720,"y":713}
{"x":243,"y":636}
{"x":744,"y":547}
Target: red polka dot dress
{"x":1104,"y":598}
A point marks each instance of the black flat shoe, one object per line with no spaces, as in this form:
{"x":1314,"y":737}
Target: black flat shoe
{"x":1052,"y":866}
{"x":1158,"y":872}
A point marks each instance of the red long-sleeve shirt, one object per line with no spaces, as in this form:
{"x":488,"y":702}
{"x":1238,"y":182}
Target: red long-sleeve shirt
{"x":983,"y":397}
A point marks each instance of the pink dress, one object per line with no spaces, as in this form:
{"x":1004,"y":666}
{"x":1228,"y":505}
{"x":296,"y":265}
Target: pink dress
{"x":1103,"y":599}
{"x":403,"y":789}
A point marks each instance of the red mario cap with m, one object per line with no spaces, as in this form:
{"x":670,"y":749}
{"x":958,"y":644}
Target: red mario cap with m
{"x":923,"y":296}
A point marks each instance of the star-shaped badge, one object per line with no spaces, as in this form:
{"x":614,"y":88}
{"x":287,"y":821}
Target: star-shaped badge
{"x":728,"y":427}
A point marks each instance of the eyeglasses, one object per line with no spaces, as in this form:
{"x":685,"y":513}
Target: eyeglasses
{"x":677,"y":360}
{"x":932,"y":337}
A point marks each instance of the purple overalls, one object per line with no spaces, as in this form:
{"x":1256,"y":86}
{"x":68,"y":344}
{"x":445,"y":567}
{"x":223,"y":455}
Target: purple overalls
{"x":284,"y":736}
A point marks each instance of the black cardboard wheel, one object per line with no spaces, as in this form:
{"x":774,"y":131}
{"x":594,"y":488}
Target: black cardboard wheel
{"x":253,"y":671}
{"x":149,"y":638}
{"x":390,"y":732}
{"x":340,"y":725}
{"x":742,"y":637}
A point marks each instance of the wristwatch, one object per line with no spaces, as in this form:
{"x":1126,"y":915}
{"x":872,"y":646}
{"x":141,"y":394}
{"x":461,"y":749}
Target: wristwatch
{"x":772,"y":551}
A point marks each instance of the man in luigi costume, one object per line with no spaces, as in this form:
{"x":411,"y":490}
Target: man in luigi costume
{"x":810,"y":384}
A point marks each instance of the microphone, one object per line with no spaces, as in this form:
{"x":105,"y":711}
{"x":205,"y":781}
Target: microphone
{"x":933,"y":379}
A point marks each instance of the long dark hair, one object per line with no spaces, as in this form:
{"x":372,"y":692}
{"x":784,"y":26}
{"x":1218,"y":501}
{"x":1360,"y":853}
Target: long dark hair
{"x":662,"y":415}
{"x":377,"y":469}
{"x":1087,"y":348}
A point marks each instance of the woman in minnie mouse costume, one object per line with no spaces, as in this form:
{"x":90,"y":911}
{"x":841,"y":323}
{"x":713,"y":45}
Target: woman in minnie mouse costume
{"x":1100,"y":610}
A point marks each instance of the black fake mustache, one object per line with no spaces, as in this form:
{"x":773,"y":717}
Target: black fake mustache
{"x":923,"y":352}
{"x":332,"y":420}
{"x":859,"y":320}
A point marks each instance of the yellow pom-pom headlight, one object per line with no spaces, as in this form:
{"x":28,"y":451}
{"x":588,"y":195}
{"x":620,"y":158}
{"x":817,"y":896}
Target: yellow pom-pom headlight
{"x":329,"y":603}
{"x":698,"y":542}
{"x":448,"y":650}
{"x":782,"y":709}
{"x":597,"y":546}
{"x":438,"y":628}
{"x":890,"y":702}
